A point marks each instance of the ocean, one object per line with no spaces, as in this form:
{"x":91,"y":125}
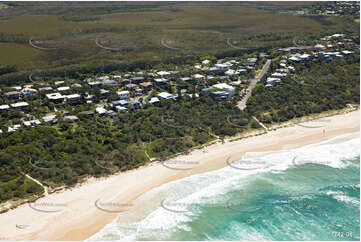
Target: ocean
{"x":309,"y":193}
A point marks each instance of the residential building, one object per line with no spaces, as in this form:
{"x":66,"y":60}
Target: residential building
{"x":19,"y":105}
{"x":13,"y":94}
{"x":55,"y":97}
{"x":165,"y":95}
{"x":161,"y":81}
{"x":73,"y":98}
{"x":63,"y":89}
{"x":29,"y":92}
{"x":123,"y":94}
{"x":4,"y":107}
{"x":226,"y":88}
{"x":32,"y":123}
{"x":50,"y":118}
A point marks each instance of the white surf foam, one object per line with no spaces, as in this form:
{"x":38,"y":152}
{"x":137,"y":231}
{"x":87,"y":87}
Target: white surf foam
{"x":208,"y":188}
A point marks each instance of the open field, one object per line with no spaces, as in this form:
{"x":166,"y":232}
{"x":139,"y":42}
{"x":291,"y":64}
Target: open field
{"x":154,"y":32}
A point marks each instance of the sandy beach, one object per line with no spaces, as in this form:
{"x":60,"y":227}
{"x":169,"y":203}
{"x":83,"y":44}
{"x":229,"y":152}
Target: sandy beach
{"x":78,"y":213}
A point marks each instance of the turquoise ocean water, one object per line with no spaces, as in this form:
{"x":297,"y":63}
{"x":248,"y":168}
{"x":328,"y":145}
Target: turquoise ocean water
{"x":310,"y":193}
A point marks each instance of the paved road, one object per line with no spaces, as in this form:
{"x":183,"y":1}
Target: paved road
{"x":242,"y":104}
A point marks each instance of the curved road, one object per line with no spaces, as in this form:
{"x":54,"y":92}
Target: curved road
{"x":242,"y":104}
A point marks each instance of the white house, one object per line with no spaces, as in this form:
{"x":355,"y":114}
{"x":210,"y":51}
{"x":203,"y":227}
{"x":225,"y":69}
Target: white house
{"x":225,"y":87}
{"x":123,"y":94}
{"x":165,"y":95}
{"x":28,"y":92}
{"x":31,"y":123}
{"x":101,"y":110}
{"x":222,"y":67}
{"x":63,"y":89}
{"x":163,"y":73}
{"x":19,"y":105}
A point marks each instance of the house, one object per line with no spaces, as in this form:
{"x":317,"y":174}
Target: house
{"x":120,"y":108}
{"x":222,"y":67}
{"x":58,"y":83}
{"x":45,"y":89}
{"x":104,"y":93}
{"x":219,"y":95}
{"x":28,"y":92}
{"x":346,"y":52}
{"x":278,"y":75}
{"x":63,"y":89}
{"x":73,"y":98}
{"x":146,"y":86}
{"x":132,"y":86}
{"x":55,"y":97}
{"x":135,"y":104}
{"x":225,"y":88}
{"x":126,"y":82}
{"x":70,"y":118}
{"x":13,"y":94}
{"x":95,"y":84}
{"x":14,"y":127}
{"x":206,"y":62}
{"x":4,"y":107}
{"x":89,"y":98}
{"x":251,"y":62}
{"x":272,"y":80}
{"x":76,"y":85}
{"x":163,"y":73}
{"x":123,"y":94}
{"x":138,"y":92}
{"x":198,"y":76}
{"x":185,"y":79}
{"x":231,"y":72}
{"x":101,"y":110}
{"x":165,"y":95}
{"x":111,"y":83}
{"x":137,"y":80}
{"x":32,"y":123}
{"x":161,"y":81}
{"x":19,"y":105}
{"x":50,"y":118}
{"x":153,"y":100}
{"x":103,"y":78}
{"x":120,"y":103}
{"x":17,"y":88}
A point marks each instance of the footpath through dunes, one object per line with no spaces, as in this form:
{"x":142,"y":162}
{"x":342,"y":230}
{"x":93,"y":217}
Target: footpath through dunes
{"x":243,"y":103}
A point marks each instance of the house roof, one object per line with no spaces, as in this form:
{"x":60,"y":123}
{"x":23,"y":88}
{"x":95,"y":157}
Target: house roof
{"x":19,"y":104}
{"x":165,"y":95}
{"x":54,"y":96}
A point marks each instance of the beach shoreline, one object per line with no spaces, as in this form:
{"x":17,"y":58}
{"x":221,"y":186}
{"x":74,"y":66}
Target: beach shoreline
{"x":80,"y":217}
